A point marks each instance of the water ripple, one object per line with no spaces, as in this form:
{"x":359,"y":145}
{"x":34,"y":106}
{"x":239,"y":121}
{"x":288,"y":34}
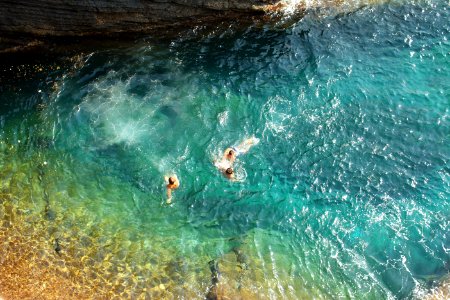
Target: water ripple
{"x":345,"y":196}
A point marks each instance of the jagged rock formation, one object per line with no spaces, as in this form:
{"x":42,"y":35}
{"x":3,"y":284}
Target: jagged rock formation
{"x":28,"y":24}
{"x":99,"y":17}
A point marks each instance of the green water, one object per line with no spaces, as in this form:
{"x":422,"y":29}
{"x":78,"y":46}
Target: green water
{"x":347,"y":195}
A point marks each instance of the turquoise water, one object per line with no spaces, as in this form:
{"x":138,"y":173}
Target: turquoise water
{"x":346,"y":195}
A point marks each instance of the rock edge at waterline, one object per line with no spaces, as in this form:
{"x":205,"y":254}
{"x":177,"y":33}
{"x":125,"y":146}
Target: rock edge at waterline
{"x":25,"y":24}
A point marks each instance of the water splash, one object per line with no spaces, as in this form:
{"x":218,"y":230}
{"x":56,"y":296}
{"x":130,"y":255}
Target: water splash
{"x":292,"y":10}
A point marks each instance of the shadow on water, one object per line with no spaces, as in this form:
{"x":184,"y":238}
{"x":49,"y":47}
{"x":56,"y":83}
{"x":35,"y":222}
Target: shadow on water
{"x":250,"y":56}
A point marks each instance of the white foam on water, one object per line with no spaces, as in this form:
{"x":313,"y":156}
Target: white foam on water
{"x":292,"y":8}
{"x":277,"y":118}
{"x":223,"y":118}
{"x":117,"y":116}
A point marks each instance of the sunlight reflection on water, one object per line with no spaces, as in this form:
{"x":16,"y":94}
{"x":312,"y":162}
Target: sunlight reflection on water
{"x":346,"y":195}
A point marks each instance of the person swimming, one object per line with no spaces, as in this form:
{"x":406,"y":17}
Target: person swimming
{"x":229,"y":173}
{"x":231,"y":153}
{"x":172,"y":184}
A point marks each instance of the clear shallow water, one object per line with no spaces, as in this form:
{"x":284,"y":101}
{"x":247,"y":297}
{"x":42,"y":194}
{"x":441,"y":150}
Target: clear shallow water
{"x":346,"y":195}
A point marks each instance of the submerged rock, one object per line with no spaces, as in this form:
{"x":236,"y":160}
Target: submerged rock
{"x":50,"y":215}
{"x":212,"y":292}
{"x":57,"y":246}
{"x":440,"y":291}
{"x":234,"y":267}
{"x":241,"y":258}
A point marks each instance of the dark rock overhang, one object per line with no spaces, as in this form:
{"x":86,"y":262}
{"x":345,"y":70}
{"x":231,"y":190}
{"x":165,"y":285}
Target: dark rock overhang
{"x":26,"y":24}
{"x":81,"y":18}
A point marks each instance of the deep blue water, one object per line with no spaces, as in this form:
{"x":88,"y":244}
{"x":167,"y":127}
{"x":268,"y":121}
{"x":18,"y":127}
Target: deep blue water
{"x":347,"y":195}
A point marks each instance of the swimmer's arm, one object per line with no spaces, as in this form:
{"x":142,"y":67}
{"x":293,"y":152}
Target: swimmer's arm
{"x":245,"y":145}
{"x":169,"y":194}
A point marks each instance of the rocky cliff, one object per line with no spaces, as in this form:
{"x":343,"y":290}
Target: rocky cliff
{"x":98,"y":17}
{"x":27,"y":23}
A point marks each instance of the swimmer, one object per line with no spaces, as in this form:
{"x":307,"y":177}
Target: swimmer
{"x":172,"y":184}
{"x":229,"y":173}
{"x":229,"y":156}
{"x":231,"y":153}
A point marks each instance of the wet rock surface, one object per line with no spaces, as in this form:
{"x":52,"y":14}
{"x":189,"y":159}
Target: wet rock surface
{"x":24,"y":23}
{"x":231,"y":277}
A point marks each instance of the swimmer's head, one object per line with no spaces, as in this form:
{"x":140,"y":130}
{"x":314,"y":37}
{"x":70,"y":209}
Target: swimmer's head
{"x":231,"y":152}
{"x":171,"y":180}
{"x":229,"y":171}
